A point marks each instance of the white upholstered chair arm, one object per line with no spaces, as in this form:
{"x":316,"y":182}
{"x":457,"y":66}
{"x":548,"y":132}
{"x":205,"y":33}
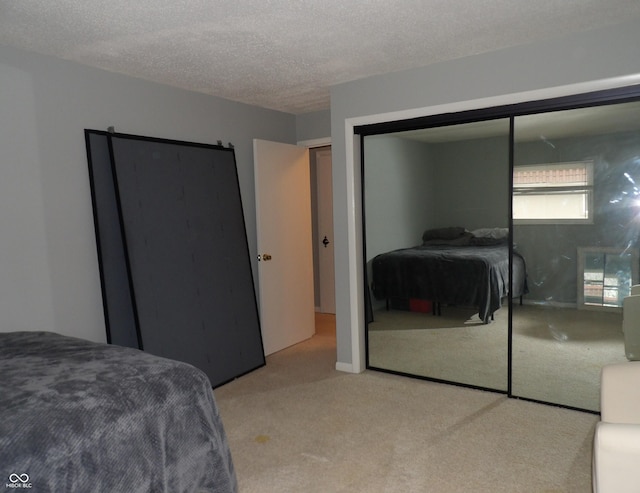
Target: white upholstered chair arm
{"x":620,"y":393}
{"x":616,"y":458}
{"x":631,"y":326}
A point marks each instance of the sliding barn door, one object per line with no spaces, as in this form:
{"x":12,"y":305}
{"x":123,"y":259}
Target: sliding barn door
{"x":183,"y":253}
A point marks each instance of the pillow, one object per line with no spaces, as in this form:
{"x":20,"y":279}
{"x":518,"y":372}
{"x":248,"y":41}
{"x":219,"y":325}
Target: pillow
{"x":490,"y":236}
{"x":487,"y":241}
{"x":464,"y":240}
{"x":495,"y":233}
{"x":451,"y":233}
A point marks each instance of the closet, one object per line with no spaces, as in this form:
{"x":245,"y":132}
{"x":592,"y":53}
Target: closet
{"x":559,"y":182}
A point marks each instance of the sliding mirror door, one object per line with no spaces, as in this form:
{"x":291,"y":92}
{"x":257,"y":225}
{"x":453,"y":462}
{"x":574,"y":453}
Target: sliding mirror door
{"x":576,"y":222}
{"x":436,"y":209}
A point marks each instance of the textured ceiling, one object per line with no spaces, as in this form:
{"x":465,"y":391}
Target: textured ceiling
{"x":285,"y":54}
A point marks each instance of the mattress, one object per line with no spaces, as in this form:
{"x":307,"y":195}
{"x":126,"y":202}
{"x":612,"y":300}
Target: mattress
{"x":78,"y":416}
{"x":474,"y":276}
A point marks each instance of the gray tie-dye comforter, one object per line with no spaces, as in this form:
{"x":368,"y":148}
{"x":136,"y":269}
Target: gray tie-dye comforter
{"x":77,"y":416}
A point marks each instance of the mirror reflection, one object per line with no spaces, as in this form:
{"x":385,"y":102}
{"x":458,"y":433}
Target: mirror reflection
{"x":436,"y":208}
{"x":574,"y":196}
{"x":576,"y":222}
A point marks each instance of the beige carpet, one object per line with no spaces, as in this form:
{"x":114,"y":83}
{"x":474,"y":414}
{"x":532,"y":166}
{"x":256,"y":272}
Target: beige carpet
{"x":557,"y":352}
{"x":456,"y":346}
{"x":298,"y":425}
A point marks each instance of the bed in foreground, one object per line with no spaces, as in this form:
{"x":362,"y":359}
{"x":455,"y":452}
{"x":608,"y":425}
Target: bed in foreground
{"x":77,"y":416}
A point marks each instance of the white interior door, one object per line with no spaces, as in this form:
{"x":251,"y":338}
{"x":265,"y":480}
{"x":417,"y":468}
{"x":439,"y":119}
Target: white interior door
{"x":285,"y":266}
{"x":326,"y":275}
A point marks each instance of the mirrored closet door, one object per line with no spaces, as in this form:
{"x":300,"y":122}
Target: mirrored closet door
{"x":436,"y":208}
{"x":554,"y":184}
{"x":576,"y":222}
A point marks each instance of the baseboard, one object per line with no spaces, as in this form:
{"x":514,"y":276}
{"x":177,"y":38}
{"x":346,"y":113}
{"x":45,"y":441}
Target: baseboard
{"x":346,"y":367}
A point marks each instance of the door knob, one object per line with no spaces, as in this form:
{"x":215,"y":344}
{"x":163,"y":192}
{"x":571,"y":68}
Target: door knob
{"x":325,"y":241}
{"x":264,"y":256}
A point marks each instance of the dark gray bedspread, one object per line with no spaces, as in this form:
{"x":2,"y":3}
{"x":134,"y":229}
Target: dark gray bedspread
{"x":77,"y":416}
{"x":474,"y":276}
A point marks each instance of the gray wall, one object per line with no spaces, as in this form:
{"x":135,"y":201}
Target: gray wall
{"x":311,"y":126}
{"x":49,"y":276}
{"x":448,"y":86}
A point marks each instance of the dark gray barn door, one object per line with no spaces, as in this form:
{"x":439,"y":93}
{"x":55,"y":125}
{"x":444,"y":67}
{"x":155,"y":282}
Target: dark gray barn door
{"x":183,"y":252}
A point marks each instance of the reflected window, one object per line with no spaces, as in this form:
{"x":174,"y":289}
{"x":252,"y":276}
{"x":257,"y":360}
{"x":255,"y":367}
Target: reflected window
{"x":553,"y":193}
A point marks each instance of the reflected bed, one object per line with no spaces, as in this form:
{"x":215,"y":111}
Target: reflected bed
{"x":451,"y":267}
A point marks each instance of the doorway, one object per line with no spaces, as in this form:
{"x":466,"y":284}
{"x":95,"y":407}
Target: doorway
{"x":285,"y":184}
{"x":322,"y":229}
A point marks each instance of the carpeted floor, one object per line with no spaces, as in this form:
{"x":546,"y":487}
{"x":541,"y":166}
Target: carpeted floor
{"x":557,"y":352}
{"x":298,"y":425}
